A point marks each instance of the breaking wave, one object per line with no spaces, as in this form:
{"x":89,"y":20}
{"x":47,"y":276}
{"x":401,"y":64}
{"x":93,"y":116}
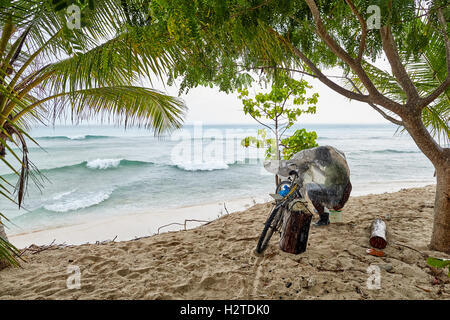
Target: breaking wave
{"x":78,"y":137}
{"x":71,"y":201}
{"x":394,"y":151}
{"x":203,"y":166}
{"x":100,"y":164}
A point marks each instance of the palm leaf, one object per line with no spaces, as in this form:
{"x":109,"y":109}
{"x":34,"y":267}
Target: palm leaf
{"x":127,"y":105}
{"x":8,"y":252}
{"x":49,"y":71}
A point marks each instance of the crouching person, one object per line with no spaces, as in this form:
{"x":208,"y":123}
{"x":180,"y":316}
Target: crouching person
{"x":325,"y":177}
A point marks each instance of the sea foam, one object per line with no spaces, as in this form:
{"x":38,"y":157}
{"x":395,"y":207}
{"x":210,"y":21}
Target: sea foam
{"x":79,"y":202}
{"x":75,"y":137}
{"x":103,"y":163}
{"x":203,"y":166}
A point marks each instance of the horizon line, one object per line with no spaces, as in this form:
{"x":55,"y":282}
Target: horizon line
{"x":206,"y":123}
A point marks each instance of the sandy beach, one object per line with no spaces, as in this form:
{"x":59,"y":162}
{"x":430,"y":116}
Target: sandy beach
{"x":131,"y":226}
{"x":217,"y":260}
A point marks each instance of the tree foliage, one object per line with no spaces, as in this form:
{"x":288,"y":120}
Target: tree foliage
{"x":300,"y":140}
{"x":281,"y":106}
{"x":231,"y":40}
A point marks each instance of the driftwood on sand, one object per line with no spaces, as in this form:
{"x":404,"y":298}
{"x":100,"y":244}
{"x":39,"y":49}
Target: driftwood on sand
{"x":182,"y":224}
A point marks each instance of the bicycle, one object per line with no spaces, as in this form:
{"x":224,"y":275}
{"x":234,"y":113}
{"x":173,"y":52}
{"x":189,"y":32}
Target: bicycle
{"x":275,"y":219}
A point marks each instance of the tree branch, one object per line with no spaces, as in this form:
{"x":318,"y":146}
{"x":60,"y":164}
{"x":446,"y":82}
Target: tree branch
{"x":284,"y":102}
{"x":374,"y":95}
{"x":265,"y":125}
{"x":398,"y":70}
{"x":384,"y":114}
{"x":362,"y":44}
{"x":423,"y":139}
{"x":282,"y":133}
{"x":279,"y":67}
{"x":318,"y":74}
{"x":322,"y":32}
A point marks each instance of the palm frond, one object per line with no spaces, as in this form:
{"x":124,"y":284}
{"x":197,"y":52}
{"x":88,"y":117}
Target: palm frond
{"x":127,"y":105}
{"x":48,"y":70}
{"x":8,"y":252}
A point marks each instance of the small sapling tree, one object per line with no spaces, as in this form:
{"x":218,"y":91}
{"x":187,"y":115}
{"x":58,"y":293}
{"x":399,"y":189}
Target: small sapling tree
{"x":282,"y":107}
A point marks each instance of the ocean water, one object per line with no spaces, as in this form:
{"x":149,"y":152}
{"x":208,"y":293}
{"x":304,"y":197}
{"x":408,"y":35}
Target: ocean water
{"x":91,"y":172}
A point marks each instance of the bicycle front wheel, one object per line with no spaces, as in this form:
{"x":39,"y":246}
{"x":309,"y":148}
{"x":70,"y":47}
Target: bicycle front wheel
{"x":271,"y":225}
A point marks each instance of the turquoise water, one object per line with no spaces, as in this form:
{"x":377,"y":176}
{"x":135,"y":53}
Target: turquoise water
{"x":96,"y":171}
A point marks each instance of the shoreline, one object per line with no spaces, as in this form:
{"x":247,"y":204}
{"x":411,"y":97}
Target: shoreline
{"x":129,"y":226}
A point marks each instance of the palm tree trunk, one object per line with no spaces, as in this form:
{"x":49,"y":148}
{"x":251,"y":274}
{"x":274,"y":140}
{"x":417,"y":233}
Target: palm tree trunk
{"x":2,"y":154}
{"x":2,"y":231}
{"x":2,"y":147}
{"x":3,"y":263}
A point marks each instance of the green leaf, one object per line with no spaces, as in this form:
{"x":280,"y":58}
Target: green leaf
{"x":439,"y":263}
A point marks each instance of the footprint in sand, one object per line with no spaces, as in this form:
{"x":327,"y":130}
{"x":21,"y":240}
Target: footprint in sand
{"x":132,"y":274}
{"x":103,"y":266}
{"x":207,"y":281}
{"x":123,"y":272}
{"x":87,"y":259}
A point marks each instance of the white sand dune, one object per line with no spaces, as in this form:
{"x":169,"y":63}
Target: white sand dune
{"x":217,"y":260}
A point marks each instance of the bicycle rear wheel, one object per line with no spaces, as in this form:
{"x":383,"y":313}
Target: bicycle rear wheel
{"x":271,"y":225}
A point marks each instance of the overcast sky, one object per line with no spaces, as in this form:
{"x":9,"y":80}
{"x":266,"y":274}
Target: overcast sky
{"x":211,"y":106}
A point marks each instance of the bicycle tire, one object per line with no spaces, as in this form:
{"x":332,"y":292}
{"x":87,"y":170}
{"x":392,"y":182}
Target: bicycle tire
{"x":268,"y":230}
